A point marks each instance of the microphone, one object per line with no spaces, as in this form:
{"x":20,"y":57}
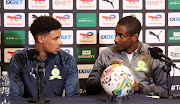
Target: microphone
{"x":33,"y":55}
{"x":157,"y":53}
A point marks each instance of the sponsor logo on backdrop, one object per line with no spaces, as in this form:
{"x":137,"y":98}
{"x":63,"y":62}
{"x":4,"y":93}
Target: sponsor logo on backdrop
{"x":86,"y":4}
{"x":108,"y":4}
{"x":132,"y":4}
{"x":175,"y":87}
{"x":14,"y":37}
{"x":68,"y":50}
{"x":174,"y":36}
{"x":174,"y":19}
{"x":84,"y":70}
{"x":86,"y":37}
{"x":9,"y":52}
{"x":14,"y":20}
{"x":38,"y":4}
{"x":33,"y":16}
{"x":155,"y":4}
{"x":173,"y":4}
{"x":62,"y":4}
{"x":14,"y":4}
{"x":106,"y":36}
{"x":174,"y":52}
{"x":137,"y":15}
{"x":66,"y":19}
{"x":155,"y":36}
{"x":155,"y":19}
{"x":67,"y":36}
{"x":86,"y":19}
{"x":175,"y":71}
{"x":108,"y":19}
{"x":86,"y":54}
{"x":31,"y":39}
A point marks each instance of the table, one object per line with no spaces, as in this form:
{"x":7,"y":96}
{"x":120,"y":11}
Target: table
{"x":99,"y":99}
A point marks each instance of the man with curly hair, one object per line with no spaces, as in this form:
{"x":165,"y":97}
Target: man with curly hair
{"x":60,"y":67}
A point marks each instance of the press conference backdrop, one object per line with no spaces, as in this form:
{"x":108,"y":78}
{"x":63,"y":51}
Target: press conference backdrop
{"x":88,"y":27}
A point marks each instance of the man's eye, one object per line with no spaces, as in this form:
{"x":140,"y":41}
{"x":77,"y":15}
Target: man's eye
{"x":56,"y":38}
{"x":121,"y":36}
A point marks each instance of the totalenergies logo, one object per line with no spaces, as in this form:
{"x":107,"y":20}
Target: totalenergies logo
{"x":87,"y":1}
{"x":156,"y":18}
{"x":88,"y":35}
{"x":110,"y":18}
{"x":40,"y":1}
{"x":65,"y":18}
{"x":133,"y":1}
{"x":16,"y":18}
{"x":12,"y":53}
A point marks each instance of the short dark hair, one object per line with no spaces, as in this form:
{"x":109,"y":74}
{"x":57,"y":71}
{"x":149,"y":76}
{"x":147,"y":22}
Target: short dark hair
{"x":131,"y":23}
{"x":43,"y":25}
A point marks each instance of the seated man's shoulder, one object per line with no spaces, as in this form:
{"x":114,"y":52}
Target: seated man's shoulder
{"x":65,"y":57}
{"x":64,"y":54}
{"x":20,"y":53}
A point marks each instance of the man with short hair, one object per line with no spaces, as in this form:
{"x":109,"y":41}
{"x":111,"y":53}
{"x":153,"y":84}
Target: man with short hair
{"x":60,"y":67}
{"x":129,"y":51}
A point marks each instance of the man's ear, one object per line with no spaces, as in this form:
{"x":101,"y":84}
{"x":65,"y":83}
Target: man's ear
{"x":40,"y":39}
{"x":135,"y":37}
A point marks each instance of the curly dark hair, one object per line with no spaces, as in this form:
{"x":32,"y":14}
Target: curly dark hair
{"x":43,"y":25}
{"x":131,"y":23}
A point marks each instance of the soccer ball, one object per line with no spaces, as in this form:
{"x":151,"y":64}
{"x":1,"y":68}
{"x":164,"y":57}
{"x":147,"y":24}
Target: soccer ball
{"x":117,"y":80}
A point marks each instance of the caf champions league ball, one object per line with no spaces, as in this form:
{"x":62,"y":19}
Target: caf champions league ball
{"x":117,"y":80}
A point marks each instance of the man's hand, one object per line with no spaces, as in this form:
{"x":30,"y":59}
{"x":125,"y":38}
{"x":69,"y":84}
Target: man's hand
{"x":117,"y":62}
{"x":136,"y":87}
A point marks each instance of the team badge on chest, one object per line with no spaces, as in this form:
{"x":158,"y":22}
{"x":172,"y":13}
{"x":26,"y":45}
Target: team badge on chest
{"x":55,"y":73}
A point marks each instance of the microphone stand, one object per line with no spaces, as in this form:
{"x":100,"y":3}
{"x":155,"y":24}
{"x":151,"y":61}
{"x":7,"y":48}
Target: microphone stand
{"x":167,"y":68}
{"x":38,"y":71}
